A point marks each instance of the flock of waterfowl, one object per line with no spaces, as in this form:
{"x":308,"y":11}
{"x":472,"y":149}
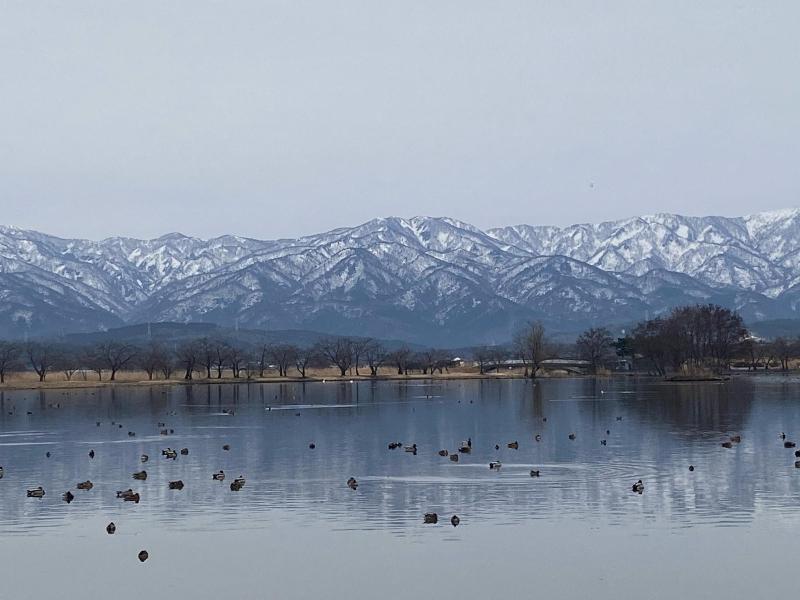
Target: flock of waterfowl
{"x":465,"y":447}
{"x":129,"y":495}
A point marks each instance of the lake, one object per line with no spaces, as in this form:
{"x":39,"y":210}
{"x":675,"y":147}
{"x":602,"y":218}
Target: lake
{"x":295,"y":530}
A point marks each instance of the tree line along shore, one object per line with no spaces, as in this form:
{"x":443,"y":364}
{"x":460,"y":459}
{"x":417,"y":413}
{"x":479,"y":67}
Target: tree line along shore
{"x":700,"y":340}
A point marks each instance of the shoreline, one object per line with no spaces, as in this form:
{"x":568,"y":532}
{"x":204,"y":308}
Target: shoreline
{"x":89,"y":384}
{"x":60,"y":385}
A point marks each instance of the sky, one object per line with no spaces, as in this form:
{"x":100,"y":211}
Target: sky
{"x":282,"y":118}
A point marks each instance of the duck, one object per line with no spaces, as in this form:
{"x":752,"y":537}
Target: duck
{"x":537,"y":437}
{"x":176,"y":485}
{"x":47,"y":454}
{"x":144,"y":458}
{"x":572,"y":436}
{"x":220,"y":476}
{"x":727,"y":444}
{"x":394,"y":445}
{"x":789,"y":444}
{"x":412,"y":448}
{"x":143,"y":556}
{"x":129,"y":495}
{"x":431,"y":518}
{"x":37,"y":492}
{"x":163,"y":432}
{"x":497,"y":446}
{"x":131,"y":434}
{"x":534,"y":473}
{"x":226,"y":447}
{"x":111,"y":528}
{"x":619,"y":418}
{"x":169,"y":453}
{"x":443,"y":453}
{"x":513,"y":445}
{"x":796,"y":453}
{"x":454,"y":520}
{"x":603,"y":443}
{"x":782,"y":435}
{"x":495,"y":465}
{"x":465,"y":448}
{"x":1,"y":472}
{"x":638,"y":487}
{"x":85,"y":485}
{"x":797,"y":464}
{"x":91,"y":453}
{"x":736,"y":439}
{"x":140,"y":475}
{"x":237,"y":484}
{"x":352,"y":483}
{"x":312,"y":445}
{"x":454,"y":457}
{"x":691,"y":467}
{"x":68,"y":497}
{"x":184,"y":451}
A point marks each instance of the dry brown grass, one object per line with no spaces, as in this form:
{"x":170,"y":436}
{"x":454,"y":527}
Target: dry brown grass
{"x":55,"y":379}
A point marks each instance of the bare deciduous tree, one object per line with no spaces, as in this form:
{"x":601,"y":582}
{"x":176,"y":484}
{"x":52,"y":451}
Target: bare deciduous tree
{"x":594,"y":345}
{"x":41,"y":356}
{"x":375,"y":355}
{"x":339,"y":351}
{"x":9,"y":358}
{"x":114,"y":356}
{"x":531,"y":345}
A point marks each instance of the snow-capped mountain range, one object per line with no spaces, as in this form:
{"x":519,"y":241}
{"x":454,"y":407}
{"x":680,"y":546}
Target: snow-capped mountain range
{"x":428,"y":280}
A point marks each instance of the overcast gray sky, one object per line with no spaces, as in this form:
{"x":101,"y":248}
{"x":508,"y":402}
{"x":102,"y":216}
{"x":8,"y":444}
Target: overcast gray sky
{"x":275,"y":119}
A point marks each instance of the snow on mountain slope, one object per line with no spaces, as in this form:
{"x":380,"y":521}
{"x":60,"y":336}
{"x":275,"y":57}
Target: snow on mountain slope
{"x":430,"y":280}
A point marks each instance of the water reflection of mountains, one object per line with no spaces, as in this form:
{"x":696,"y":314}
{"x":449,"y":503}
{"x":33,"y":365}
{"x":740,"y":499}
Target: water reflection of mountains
{"x":664,"y":429}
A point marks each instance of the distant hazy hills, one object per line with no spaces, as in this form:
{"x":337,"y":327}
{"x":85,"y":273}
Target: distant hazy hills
{"x":427,"y":280}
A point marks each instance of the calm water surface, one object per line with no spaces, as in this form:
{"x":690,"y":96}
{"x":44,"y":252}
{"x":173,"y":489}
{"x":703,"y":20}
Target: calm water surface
{"x":730,"y":528}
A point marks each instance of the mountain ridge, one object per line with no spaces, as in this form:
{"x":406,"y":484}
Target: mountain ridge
{"x":431,"y":280}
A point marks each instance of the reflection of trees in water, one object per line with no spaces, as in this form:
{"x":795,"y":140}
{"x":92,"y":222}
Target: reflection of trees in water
{"x":664,"y":429}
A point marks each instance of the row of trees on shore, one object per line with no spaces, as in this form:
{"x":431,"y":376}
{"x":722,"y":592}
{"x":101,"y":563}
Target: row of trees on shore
{"x":213,"y":357}
{"x":691,"y":337}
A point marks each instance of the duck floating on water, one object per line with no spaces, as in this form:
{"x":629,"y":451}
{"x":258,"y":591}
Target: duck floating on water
{"x":37,"y":492}
{"x":514,"y":445}
{"x":68,"y":497}
{"x":443,"y":453}
{"x":572,"y":436}
{"x":727,"y":444}
{"x":111,"y":528}
{"x":143,"y":556}
{"x":85,"y":485}
{"x":184,"y":451}
{"x":144,"y":458}
{"x":495,"y":465}
{"x":169,"y":453}
{"x":128,"y":495}
{"x":534,"y":473}
{"x":176,"y":485}
{"x":789,"y":444}
{"x":454,"y":457}
{"x":394,"y":445}
{"x":352,"y":483}
{"x":219,"y":476}
{"x":91,"y":453}
{"x":237,"y":484}
{"x":226,"y":447}
{"x":454,"y":520}
{"x":638,"y":487}
{"x":431,"y":518}
{"x":140,"y":475}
